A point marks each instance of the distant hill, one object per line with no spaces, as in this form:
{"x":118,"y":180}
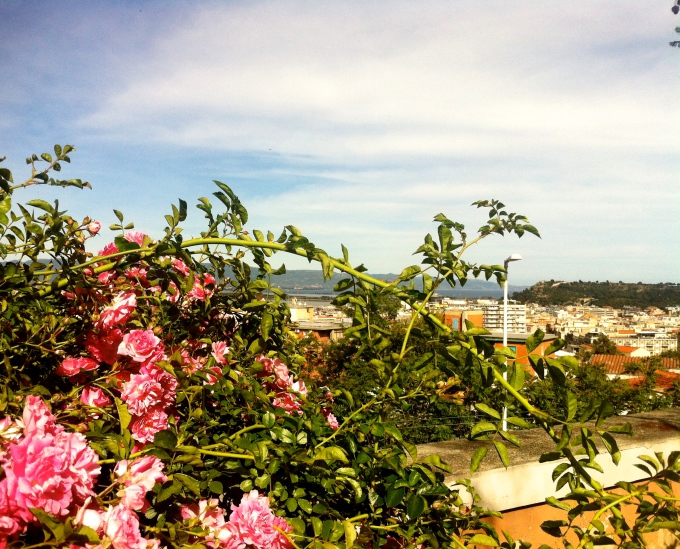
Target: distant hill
{"x":310,"y":281}
{"x":600,"y":294}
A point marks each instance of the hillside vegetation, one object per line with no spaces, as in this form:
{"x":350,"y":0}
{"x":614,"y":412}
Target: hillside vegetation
{"x":600,"y":294}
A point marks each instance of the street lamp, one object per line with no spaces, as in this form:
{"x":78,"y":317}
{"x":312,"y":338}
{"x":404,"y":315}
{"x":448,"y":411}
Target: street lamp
{"x":513,"y":257}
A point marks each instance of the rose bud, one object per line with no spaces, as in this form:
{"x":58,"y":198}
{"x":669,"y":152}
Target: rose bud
{"x":93,"y":227}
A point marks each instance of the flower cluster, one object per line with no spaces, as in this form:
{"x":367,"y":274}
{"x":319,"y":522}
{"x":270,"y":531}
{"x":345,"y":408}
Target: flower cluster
{"x":118,"y":525}
{"x":45,"y":468}
{"x":251,"y":524}
{"x":126,"y":357}
{"x":136,"y":355}
{"x":288,"y":392}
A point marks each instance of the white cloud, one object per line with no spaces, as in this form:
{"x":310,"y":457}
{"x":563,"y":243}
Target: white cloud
{"x":365,"y":119}
{"x":370,"y":80}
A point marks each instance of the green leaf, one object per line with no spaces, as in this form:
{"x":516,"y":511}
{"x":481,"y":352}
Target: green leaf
{"x":41,"y":204}
{"x":477,"y":457}
{"x":482,"y":539}
{"x":502,"y":453}
{"x":268,"y":420}
{"x":516,"y":376}
{"x":189,"y":482}
{"x":266,"y":324}
{"x":606,"y":409}
{"x":165,"y":439}
{"x":621,"y":429}
{"x":394,"y":496}
{"x":124,"y":416}
{"x":53,"y":524}
{"x":434,"y":459}
{"x":409,"y":273}
{"x":88,"y":533}
{"x":216,"y":487}
{"x":168,"y":490}
{"x":572,"y":406}
{"x":534,"y":340}
{"x":350,"y":534}
{"x":331,"y":453}
{"x":556,"y":372}
{"x":482,"y":428}
{"x":554,"y":502}
{"x":182,"y":210}
{"x":5,"y":204}
{"x":554,"y":346}
{"x":488,"y":410}
{"x":415,"y":506}
{"x":119,"y":215}
{"x":552,"y":527}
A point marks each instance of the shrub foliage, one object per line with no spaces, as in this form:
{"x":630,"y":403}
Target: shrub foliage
{"x":149,"y":400}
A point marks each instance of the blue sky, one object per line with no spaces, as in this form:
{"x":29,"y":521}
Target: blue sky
{"x":359,"y":121}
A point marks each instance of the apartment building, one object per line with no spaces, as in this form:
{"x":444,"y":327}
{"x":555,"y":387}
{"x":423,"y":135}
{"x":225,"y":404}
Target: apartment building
{"x":654,"y":342}
{"x":493,"y":317}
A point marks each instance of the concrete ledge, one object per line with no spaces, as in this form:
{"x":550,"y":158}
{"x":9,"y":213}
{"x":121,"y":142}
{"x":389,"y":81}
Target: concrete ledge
{"x":527,"y":482}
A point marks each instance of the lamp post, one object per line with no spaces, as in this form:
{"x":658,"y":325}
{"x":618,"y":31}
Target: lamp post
{"x":513,"y":257}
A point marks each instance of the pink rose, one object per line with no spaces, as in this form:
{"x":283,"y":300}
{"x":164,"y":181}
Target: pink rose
{"x":94,"y":227}
{"x":38,"y":418}
{"x":197,"y":293}
{"x":151,"y":388}
{"x":253,"y":522}
{"x":73,"y":366}
{"x":10,"y":521}
{"x":289,"y":402}
{"x":144,"y":427}
{"x":50,"y":472}
{"x":118,"y":311}
{"x":138,"y":274}
{"x":87,"y":516}
{"x":283,"y":377}
{"x":138,"y":477}
{"x":121,"y":526}
{"x":332,"y":421}
{"x":172,"y":293}
{"x":220,"y":351}
{"x":94,"y":396}
{"x":141,"y":345}
{"x":104,"y":347}
{"x":180,"y":267}
{"x":299,"y":387}
{"x":106,"y":277}
{"x":136,"y":237}
{"x":211,"y":516}
{"x":108,"y":250}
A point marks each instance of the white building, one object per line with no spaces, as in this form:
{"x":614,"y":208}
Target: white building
{"x":654,"y":342}
{"x":493,"y":317}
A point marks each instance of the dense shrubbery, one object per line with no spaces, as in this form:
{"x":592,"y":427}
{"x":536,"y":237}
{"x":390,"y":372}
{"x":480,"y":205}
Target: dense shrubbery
{"x":148,"y":400}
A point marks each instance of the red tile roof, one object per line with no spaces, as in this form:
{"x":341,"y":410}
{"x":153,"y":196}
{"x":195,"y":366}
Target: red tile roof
{"x":616,"y":364}
{"x":663,"y":380}
{"x":625,"y":349}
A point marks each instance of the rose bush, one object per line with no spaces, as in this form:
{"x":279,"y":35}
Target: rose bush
{"x":151,"y":397}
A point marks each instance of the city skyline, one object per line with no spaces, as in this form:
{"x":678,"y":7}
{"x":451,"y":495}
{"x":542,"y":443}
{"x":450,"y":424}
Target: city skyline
{"x":358,"y":122}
